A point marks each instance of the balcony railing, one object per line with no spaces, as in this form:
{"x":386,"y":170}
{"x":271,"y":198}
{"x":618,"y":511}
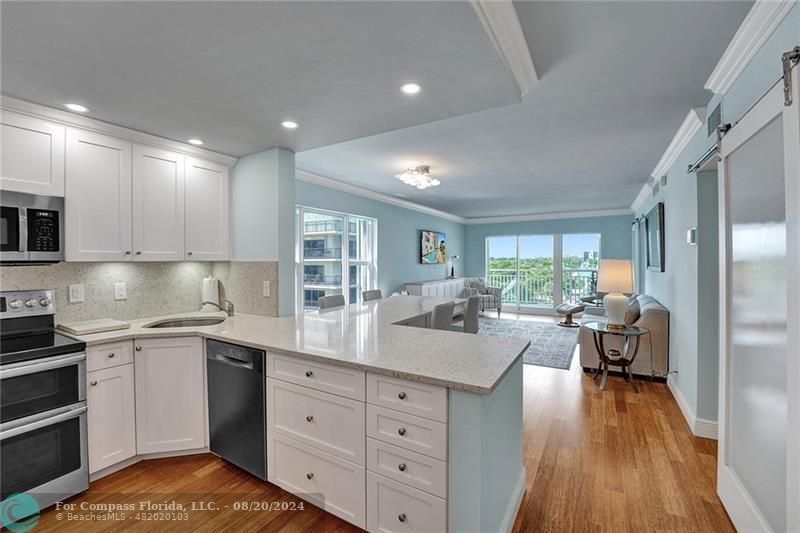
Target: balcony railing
{"x":536,"y":288}
{"x":322,"y":253}
{"x":327,"y":226}
{"x":312,"y":280}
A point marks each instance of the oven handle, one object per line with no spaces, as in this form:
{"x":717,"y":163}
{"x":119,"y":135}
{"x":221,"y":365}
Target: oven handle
{"x":41,"y":367}
{"x":23,"y":229}
{"x":73,"y":412}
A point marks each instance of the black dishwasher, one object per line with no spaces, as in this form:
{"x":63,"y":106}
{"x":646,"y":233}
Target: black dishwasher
{"x":236,"y":405}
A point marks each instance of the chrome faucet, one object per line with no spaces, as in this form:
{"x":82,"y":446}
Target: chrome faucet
{"x":228,"y":306}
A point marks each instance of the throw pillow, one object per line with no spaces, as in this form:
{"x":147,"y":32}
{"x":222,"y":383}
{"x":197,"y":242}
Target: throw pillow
{"x":481,"y":286}
{"x":633,"y":313}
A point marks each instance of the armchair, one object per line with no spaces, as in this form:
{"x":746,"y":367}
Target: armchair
{"x":491,"y":297}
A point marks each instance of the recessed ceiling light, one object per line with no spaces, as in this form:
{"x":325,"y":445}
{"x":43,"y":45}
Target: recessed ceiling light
{"x":78,"y":108}
{"x":411,"y":88}
{"x":289,"y":124}
{"x":196,"y":142}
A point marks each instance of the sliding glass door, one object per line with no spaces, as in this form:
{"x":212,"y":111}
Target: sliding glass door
{"x":539,"y":272}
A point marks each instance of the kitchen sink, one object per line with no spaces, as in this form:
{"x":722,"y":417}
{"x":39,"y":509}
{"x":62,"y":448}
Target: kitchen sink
{"x":186,"y":322}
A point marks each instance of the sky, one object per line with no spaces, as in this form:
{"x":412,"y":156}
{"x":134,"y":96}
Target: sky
{"x":542,"y":245}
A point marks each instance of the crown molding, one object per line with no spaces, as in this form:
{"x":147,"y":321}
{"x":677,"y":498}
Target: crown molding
{"x":642,"y":197}
{"x":98,"y":126}
{"x":500,"y":21}
{"x":328,"y":183}
{"x":758,"y":25}
{"x":691,"y":125}
{"x":550,"y":216}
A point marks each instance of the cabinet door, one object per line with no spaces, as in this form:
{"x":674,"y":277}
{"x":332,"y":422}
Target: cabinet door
{"x":207,"y":235}
{"x":31,"y":155}
{"x":112,"y":416}
{"x":98,"y":200}
{"x":170,"y":394}
{"x":158,"y":201}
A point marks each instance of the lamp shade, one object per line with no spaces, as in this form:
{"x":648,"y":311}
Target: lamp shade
{"x":615,"y":275}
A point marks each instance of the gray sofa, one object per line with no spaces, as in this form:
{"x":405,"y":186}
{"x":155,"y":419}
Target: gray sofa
{"x":654,"y":317}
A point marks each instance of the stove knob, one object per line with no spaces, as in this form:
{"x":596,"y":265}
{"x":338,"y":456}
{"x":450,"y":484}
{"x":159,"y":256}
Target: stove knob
{"x":29,"y":303}
{"x":15,"y":304}
{"x":44,"y":302}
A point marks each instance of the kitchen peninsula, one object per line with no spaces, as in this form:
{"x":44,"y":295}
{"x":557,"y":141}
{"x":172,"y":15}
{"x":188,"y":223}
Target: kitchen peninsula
{"x":381,"y":423}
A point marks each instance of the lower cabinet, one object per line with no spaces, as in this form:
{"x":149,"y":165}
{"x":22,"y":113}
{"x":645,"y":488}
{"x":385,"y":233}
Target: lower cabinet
{"x":111,"y":416}
{"x":170,"y":394}
{"x":393,"y":506}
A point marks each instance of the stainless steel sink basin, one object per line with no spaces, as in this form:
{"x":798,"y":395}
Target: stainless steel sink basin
{"x":187,"y":322}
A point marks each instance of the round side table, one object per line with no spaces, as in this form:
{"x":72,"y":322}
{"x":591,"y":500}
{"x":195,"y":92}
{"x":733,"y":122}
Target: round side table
{"x":622,"y":359}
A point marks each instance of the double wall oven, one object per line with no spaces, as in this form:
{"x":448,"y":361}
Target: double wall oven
{"x":43,"y":432}
{"x":31,"y":228}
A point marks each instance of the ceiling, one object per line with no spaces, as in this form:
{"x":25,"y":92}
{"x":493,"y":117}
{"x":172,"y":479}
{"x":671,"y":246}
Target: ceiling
{"x":229,"y":73}
{"x":616,"y":81}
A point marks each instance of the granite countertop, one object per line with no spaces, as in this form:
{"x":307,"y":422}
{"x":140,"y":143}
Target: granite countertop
{"x":364,"y":336}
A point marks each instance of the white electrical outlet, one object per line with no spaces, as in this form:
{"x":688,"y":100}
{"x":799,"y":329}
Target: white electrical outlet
{"x":120,"y":291}
{"x":267,"y":290}
{"x":76,"y":293}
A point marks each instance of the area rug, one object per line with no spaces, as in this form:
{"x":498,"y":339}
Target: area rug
{"x":551,"y":345}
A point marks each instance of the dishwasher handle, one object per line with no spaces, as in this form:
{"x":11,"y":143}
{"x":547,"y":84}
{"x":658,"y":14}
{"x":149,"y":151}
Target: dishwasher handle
{"x":233,"y":355}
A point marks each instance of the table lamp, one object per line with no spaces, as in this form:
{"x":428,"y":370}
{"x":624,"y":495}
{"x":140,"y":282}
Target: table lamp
{"x":615,"y":277}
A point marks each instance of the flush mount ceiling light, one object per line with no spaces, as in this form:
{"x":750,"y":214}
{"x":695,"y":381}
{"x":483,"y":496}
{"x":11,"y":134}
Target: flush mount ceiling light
{"x":411,"y":88}
{"x":419,"y":177}
{"x":78,"y":108}
{"x":289,"y":124}
{"x":196,"y":142}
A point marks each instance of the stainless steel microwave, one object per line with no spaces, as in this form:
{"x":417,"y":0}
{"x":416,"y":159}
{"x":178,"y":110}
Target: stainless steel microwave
{"x":31,"y":228}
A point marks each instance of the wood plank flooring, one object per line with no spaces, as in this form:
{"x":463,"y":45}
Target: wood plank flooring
{"x":596,"y":461}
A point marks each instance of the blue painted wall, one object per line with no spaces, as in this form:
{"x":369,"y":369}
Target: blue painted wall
{"x":398,"y":234}
{"x":615,"y":240}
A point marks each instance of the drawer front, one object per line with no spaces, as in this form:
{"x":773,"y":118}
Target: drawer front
{"x":414,"y":469}
{"x":414,"y":433}
{"x":393,"y":507}
{"x":331,"y":423}
{"x":419,"y":399}
{"x":109,"y":355}
{"x":311,"y":473}
{"x":345,"y":382}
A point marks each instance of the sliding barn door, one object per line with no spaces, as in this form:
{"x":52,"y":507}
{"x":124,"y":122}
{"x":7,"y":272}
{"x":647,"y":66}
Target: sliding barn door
{"x":758,"y":468}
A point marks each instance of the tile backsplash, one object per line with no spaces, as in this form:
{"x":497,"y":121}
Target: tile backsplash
{"x":152,"y":288}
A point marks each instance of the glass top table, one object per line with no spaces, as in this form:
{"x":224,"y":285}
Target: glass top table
{"x":625,"y":331}
{"x":622,"y":358}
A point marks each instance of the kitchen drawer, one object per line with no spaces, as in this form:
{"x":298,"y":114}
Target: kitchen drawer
{"x":392,"y":506}
{"x":327,"y":481}
{"x":410,"y":397}
{"x":414,"y":433}
{"x":109,"y":355}
{"x":325,"y":421}
{"x":339,"y":380}
{"x":414,"y":469}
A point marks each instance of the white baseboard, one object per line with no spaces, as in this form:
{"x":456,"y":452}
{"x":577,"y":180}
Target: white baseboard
{"x":700,"y":427}
{"x":516,"y":500}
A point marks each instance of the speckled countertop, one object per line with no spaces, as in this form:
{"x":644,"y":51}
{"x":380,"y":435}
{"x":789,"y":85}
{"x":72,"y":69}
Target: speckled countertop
{"x":364,"y":336}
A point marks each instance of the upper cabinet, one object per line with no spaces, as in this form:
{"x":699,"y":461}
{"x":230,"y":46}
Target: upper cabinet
{"x":207,"y":226}
{"x":158,"y":205}
{"x":31,"y":155}
{"x":98,"y":200}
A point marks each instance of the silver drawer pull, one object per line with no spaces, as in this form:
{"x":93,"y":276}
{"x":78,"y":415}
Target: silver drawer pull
{"x":138,"y":348}
{"x":402,"y":517}
{"x":309,"y":373}
{"x":111,"y":355}
{"x":310,"y":475}
{"x":402,"y":431}
{"x":93,"y":383}
{"x":309,"y":418}
{"x":402,"y":467}
{"x":402,"y":395}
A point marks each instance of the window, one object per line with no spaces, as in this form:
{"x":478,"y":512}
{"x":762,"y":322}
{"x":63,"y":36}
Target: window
{"x":331,"y":261}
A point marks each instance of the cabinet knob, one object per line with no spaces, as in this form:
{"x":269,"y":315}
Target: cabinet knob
{"x":188,"y":253}
{"x":111,"y":355}
{"x":402,"y":431}
{"x":138,"y":348}
{"x":93,"y":383}
{"x":127,"y":252}
{"x":309,"y":418}
{"x":138,"y":252}
{"x":402,"y":517}
{"x":309,"y":373}
{"x":402,"y":395}
{"x":402,"y":467}
{"x":310,"y":475}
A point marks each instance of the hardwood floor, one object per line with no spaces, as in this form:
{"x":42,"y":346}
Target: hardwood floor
{"x":599,"y":461}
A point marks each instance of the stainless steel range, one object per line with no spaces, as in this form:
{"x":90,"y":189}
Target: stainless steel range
{"x":43,"y":437}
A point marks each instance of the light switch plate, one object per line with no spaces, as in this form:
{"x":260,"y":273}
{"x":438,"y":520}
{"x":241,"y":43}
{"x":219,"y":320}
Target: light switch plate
{"x":76,"y":293}
{"x":120,"y":291}
{"x":267,"y":289}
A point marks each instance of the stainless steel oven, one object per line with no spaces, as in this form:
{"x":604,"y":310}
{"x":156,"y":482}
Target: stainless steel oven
{"x":31,"y":228}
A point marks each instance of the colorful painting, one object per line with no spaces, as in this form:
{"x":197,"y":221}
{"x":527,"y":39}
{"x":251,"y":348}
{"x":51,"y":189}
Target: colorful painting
{"x":433,"y":248}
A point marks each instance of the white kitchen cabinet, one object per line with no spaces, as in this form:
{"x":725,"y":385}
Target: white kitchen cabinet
{"x":31,"y":155}
{"x":111,"y":416}
{"x":98,"y":197}
{"x":207,"y":225}
{"x":170,"y":394}
{"x":158,"y":205}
